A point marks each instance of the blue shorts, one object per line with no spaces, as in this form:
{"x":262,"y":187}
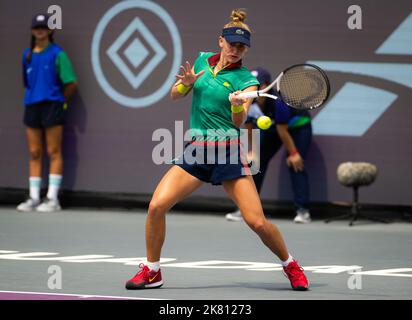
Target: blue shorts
{"x":45,"y":114}
{"x":214,"y":162}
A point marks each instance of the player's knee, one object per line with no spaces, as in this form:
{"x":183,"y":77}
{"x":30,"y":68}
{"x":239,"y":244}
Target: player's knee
{"x":257,"y":224}
{"x":35,"y":154}
{"x":260,"y":226}
{"x":156,"y":208}
{"x":54,"y":152}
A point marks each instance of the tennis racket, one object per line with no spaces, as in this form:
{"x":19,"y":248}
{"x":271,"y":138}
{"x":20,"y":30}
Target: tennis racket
{"x":301,"y":86}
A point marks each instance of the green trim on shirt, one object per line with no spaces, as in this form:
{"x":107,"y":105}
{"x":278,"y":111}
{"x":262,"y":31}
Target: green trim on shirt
{"x":64,"y":68}
{"x":298,"y":122}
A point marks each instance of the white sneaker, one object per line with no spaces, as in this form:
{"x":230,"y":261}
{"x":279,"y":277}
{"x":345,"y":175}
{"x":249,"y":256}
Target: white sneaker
{"x":303,"y":216}
{"x":49,"y":205}
{"x":234,"y":216}
{"x":28,"y":205}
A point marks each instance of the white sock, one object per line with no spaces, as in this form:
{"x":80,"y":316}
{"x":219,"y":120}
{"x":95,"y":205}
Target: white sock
{"x":289,"y":260}
{"x":54,"y":186}
{"x":153,"y":266}
{"x":34,"y":187}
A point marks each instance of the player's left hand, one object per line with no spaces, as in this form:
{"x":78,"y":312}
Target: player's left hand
{"x":188,"y":77}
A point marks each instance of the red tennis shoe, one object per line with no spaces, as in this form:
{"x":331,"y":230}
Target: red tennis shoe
{"x":145,"y":279}
{"x":297,"y":278}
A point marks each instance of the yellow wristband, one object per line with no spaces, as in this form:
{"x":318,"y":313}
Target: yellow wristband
{"x":182,"y":89}
{"x":237,"y":109}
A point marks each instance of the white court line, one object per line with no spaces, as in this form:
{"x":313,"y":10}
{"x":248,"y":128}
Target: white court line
{"x":79,"y":295}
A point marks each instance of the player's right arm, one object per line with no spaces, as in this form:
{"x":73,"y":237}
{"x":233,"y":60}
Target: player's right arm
{"x":185,"y":82}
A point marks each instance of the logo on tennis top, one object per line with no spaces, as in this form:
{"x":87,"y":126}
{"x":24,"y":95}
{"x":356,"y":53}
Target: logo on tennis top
{"x":133,"y":67}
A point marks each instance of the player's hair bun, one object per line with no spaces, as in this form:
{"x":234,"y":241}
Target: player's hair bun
{"x":238,"y":15}
{"x":237,"y":18}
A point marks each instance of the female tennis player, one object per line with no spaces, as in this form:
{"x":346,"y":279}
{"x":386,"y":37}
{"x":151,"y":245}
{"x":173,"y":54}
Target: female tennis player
{"x":213,"y":79}
{"x":49,"y":81}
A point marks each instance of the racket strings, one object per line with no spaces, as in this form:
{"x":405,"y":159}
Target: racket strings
{"x":303,"y":87}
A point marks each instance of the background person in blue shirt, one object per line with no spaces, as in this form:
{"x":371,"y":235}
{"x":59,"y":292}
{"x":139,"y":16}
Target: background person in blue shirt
{"x":49,"y":81}
{"x":292,"y":128}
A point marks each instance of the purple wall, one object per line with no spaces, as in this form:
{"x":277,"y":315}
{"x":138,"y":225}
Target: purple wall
{"x":108,"y":146}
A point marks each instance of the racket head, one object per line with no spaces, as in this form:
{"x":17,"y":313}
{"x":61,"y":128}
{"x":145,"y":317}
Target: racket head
{"x":303,"y":86}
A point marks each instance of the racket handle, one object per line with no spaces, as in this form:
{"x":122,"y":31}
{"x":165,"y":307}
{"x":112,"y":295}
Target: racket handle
{"x":248,"y":95}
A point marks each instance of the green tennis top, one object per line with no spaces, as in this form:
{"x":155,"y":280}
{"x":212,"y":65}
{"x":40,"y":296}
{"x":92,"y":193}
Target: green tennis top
{"x":210,"y":105}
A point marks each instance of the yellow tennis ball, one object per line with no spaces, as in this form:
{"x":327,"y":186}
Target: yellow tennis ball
{"x":264,"y":122}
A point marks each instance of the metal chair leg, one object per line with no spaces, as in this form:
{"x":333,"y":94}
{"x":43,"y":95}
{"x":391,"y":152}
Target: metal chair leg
{"x":354,"y":214}
{"x":340,"y":217}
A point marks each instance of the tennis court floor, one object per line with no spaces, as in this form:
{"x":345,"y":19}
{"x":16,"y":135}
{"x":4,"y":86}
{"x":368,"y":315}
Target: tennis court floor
{"x":89,"y":254}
